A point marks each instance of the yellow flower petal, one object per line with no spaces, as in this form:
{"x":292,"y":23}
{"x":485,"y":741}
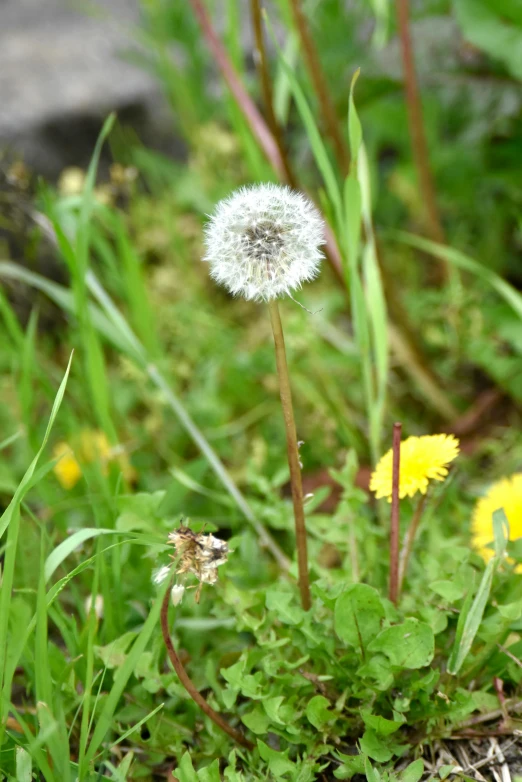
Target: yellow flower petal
{"x":67,"y":470}
{"x":507,"y":494}
{"x":422,"y":459}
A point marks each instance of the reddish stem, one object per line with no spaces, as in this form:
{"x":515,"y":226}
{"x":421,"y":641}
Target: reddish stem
{"x":394,"y":525}
{"x":257,"y":124}
{"x":416,"y":125}
{"x":261,"y":61}
{"x":317,"y":76}
{"x":188,"y":683}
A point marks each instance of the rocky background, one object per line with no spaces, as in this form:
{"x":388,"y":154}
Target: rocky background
{"x":63,"y":67}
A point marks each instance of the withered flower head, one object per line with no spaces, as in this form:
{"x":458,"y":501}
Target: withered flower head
{"x":196,"y":553}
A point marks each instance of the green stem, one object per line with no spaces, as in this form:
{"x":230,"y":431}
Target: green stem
{"x":394,"y":522}
{"x":407,"y":547}
{"x":293,"y":454}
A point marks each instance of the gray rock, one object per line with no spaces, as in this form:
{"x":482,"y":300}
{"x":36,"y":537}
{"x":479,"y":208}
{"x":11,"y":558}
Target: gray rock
{"x":62,"y":70}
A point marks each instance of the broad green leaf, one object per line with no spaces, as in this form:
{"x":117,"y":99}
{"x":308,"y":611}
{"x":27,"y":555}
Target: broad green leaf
{"x":210,"y":773}
{"x":317,"y":711}
{"x":408,"y":645}
{"x":351,"y":765}
{"x":24,"y":765}
{"x":414,"y":771}
{"x":278,"y":763}
{"x":185,"y":771}
{"x":485,"y":25}
{"x":380,"y":725}
{"x":256,"y":720}
{"x":374,"y":746}
{"x":358,"y":616}
{"x":449,"y":590}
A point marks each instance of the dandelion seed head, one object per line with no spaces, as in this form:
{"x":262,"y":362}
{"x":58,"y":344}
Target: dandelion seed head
{"x":507,"y":494}
{"x":264,"y":241}
{"x":422,"y":459}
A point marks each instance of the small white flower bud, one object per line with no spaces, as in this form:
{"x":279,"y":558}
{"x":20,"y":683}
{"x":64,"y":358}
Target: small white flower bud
{"x":98,"y":606}
{"x":263,"y":242}
{"x":176,"y":594}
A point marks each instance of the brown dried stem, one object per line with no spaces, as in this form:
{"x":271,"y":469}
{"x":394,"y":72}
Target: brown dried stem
{"x":318,"y":79}
{"x":394,"y":522}
{"x":293,"y":454}
{"x":409,"y":541}
{"x":261,"y":61}
{"x":416,"y":126}
{"x":188,"y":683}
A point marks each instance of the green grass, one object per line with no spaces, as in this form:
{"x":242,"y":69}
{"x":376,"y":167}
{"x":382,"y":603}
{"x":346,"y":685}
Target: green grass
{"x":180,"y":379}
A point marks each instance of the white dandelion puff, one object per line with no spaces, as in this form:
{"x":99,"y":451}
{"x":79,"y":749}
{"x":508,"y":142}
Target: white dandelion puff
{"x":264,"y":241}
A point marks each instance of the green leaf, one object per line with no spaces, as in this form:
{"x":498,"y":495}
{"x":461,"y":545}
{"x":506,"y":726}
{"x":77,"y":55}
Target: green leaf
{"x":24,"y":765}
{"x":449,"y":590}
{"x":352,"y":764}
{"x":445,"y":771}
{"x":185,"y":771}
{"x":210,"y":773}
{"x":278,"y":763}
{"x":409,"y":645}
{"x":379,"y":724}
{"x":62,"y":551}
{"x":358,"y":616}
{"x":462,"y":261}
{"x":501,"y":531}
{"x":467,"y":630}
{"x":373,"y":746}
{"x":372,"y":775}
{"x":485,"y":25}
{"x":354,"y":123}
{"x":283,"y":605}
{"x":414,"y":771}
{"x":256,"y":720}
{"x":317,"y":711}
{"x":113,"y":655}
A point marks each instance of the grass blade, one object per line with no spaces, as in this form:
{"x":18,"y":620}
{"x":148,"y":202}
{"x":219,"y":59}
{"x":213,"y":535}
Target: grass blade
{"x":10,"y":521}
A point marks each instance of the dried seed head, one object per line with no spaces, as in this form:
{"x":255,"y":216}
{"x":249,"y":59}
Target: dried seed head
{"x":263,"y":242}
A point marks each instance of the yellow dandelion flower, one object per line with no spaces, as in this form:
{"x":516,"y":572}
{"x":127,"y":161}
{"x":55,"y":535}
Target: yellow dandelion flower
{"x":507,"y":494}
{"x":67,"y":469}
{"x":422,"y":459}
{"x":91,"y":446}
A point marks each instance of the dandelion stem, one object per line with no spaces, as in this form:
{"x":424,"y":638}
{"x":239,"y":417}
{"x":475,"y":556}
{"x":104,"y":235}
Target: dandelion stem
{"x":394,"y":523}
{"x":188,"y":684}
{"x":407,"y":547}
{"x":293,"y":453}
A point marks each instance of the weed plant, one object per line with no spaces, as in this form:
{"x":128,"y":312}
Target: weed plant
{"x":154,"y":397}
